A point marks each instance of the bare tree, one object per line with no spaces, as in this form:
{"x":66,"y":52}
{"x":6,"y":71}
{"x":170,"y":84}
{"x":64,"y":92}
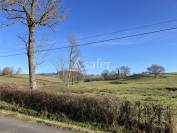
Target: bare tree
{"x":124,"y":71}
{"x":156,"y":69}
{"x":105,"y":74}
{"x":59,"y":67}
{"x":42,"y":53}
{"x":0,"y":71}
{"x":76,"y":66}
{"x":41,"y":49}
{"x":32,"y":13}
{"x":19,"y":71}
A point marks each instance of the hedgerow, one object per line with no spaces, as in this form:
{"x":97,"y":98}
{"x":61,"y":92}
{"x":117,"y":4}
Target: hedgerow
{"x":114,"y":112}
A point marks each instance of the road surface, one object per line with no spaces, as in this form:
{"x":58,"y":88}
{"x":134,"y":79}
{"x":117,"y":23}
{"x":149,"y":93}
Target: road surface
{"x":12,"y":125}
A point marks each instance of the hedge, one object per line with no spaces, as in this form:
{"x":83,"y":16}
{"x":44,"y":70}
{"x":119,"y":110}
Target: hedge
{"x":114,"y":112}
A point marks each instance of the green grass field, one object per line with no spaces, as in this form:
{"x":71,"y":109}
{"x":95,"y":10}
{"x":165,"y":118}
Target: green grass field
{"x":161,"y":90}
{"x":145,"y":89}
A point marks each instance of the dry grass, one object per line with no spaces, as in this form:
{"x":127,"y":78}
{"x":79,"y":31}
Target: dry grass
{"x":113,"y":113}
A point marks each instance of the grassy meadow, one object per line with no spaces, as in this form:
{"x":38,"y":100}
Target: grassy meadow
{"x":150,"y":89}
{"x":143,"y":88}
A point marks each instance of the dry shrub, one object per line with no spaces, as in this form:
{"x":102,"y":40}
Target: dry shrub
{"x":91,"y":79}
{"x":114,"y":112}
{"x":7,"y":71}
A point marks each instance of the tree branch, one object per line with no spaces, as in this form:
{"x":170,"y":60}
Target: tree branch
{"x":11,"y":10}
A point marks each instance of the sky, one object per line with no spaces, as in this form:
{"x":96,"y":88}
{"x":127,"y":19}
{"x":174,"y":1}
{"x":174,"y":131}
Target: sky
{"x":95,"y":20}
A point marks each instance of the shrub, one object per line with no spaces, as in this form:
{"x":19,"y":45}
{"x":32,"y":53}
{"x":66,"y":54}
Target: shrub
{"x":114,"y":112}
{"x":93,"y":79}
{"x":7,"y":71}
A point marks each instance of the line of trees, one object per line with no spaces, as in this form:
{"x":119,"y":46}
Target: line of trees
{"x":123,"y":72}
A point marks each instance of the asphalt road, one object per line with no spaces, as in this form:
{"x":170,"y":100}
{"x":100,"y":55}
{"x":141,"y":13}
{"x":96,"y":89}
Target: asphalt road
{"x":12,"y":125}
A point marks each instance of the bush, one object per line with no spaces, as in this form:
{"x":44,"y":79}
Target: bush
{"x":93,"y":79}
{"x":114,"y":112}
{"x":7,"y":71}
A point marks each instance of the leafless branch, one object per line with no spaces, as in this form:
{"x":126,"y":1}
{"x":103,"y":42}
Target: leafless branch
{"x":22,"y":38}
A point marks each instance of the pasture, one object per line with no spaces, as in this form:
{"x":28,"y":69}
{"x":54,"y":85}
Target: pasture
{"x":143,"y":88}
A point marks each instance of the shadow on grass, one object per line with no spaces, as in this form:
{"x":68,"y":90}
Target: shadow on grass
{"x":117,"y":82}
{"x":171,"y":89}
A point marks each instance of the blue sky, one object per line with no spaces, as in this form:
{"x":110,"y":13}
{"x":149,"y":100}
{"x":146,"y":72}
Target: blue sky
{"x":91,"y":17}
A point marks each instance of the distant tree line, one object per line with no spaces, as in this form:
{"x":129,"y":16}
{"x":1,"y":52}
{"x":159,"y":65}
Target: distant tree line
{"x":124,"y":72}
{"x":121,"y":72}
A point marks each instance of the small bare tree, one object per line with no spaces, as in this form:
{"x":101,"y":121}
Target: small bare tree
{"x":124,"y":71}
{"x":59,"y":67}
{"x":76,"y":66}
{"x":0,"y":71}
{"x":19,"y":71}
{"x":32,"y":13}
{"x":105,"y":74}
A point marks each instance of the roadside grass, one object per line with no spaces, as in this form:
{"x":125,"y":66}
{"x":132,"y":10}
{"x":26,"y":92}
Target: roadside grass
{"x":10,"y":110}
{"x":55,"y":124}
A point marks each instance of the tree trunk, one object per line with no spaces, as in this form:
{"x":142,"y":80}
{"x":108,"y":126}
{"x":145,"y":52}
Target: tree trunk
{"x":31,"y":64}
